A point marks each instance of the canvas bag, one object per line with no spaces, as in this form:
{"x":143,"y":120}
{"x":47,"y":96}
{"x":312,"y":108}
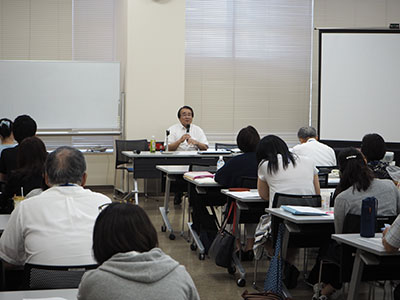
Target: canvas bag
{"x":221,"y":249}
{"x":273,"y":279}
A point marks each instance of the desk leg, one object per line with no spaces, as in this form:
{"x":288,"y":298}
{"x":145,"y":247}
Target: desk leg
{"x":242,"y":280}
{"x":197,"y":242}
{"x":358,"y":268}
{"x":164,"y":210}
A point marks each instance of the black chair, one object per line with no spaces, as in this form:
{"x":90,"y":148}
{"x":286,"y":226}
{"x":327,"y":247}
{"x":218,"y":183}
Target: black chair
{"x":225,"y":146}
{"x":53,"y":277}
{"x":123,"y":162}
{"x":248,"y":182}
{"x":323,"y":174}
{"x":202,"y":167}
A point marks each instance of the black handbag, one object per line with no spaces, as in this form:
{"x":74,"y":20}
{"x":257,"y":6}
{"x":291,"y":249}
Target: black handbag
{"x":221,"y":249}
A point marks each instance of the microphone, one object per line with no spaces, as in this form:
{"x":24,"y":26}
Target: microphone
{"x":187,"y":130}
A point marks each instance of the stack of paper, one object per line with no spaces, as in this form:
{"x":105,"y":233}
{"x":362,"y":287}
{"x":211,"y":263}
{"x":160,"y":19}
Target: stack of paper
{"x":303,"y":210}
{"x":198,"y":174}
{"x":245,"y":195}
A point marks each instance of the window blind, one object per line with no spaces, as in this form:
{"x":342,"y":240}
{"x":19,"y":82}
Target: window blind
{"x":248,"y":63}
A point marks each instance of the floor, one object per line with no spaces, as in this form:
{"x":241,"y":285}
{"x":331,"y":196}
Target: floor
{"x":212,"y":282}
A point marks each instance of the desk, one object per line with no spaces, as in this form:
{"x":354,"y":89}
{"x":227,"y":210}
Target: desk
{"x":279,"y":212}
{"x":199,"y":191}
{"x":171,"y":173}
{"x":369,"y":252}
{"x":69,"y":294}
{"x":243,"y":201}
{"x":310,"y":235}
{"x":144,"y":164}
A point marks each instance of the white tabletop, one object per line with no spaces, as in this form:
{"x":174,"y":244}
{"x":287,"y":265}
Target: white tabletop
{"x":372,"y":245}
{"x":69,"y":294}
{"x":250,"y":196}
{"x":173,"y":169}
{"x":279,"y":212}
{"x":160,"y":154}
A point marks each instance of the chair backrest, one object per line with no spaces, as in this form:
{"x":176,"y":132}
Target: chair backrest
{"x":325,"y":169}
{"x":352,"y":223}
{"x":323,"y":173}
{"x":225,"y":146}
{"x":53,"y":277}
{"x":296,"y":200}
{"x":128,"y":145}
{"x":248,"y":182}
{"x":202,"y":167}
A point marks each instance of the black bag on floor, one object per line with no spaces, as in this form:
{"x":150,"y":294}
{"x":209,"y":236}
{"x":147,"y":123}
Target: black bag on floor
{"x":221,"y":249}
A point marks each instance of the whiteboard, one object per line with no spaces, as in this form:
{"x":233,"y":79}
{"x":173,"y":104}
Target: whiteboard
{"x":62,"y":95}
{"x":359,"y":85}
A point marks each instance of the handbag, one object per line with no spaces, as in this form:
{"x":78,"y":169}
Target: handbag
{"x":221,"y":249}
{"x":261,"y":296}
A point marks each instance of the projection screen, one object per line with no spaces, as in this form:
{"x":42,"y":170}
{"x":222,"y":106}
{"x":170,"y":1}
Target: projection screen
{"x":359,"y":82}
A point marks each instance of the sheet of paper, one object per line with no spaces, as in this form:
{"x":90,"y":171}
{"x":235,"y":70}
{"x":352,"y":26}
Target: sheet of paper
{"x":49,"y":298}
{"x":246,"y":194}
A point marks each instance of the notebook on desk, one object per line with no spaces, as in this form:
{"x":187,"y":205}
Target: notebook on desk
{"x":303,"y":210}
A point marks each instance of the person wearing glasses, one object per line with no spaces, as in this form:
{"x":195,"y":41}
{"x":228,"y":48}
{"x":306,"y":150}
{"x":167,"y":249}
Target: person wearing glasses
{"x":131,"y":265}
{"x":185,"y":136}
{"x":55,"y":227}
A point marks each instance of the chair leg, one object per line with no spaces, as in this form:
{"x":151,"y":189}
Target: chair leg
{"x":136,"y":191}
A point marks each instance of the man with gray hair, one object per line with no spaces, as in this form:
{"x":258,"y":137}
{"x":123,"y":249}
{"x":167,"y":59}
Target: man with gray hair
{"x":55,"y":227}
{"x":321,"y":154}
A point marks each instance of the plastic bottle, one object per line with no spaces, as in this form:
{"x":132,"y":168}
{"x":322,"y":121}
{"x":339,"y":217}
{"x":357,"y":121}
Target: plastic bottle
{"x":220,"y":162}
{"x":153,"y":144}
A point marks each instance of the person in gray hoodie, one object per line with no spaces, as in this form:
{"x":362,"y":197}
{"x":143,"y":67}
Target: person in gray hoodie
{"x":131,"y":266}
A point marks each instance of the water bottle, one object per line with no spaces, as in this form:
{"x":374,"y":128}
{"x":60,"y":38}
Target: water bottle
{"x":220,"y":162}
{"x":153,"y":144}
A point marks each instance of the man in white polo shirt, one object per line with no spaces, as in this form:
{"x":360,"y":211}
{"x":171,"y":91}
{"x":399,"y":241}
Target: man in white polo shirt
{"x":55,"y":227}
{"x":186,"y":136}
{"x":321,"y":154}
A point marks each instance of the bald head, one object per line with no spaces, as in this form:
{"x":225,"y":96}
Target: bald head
{"x":65,"y":165}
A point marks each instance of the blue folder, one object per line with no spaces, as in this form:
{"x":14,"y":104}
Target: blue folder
{"x":302,"y":212}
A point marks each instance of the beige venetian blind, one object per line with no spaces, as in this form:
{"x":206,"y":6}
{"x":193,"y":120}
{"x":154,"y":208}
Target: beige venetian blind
{"x":248,"y":62}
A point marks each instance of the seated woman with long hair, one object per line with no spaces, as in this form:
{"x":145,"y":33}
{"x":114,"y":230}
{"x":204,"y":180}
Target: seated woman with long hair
{"x":357,"y":182}
{"x":131,"y":266}
{"x":280,"y":171}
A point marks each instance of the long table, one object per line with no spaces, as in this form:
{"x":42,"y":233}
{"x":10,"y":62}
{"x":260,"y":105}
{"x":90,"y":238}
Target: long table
{"x":244,"y":200}
{"x":171,"y":173}
{"x":200,"y":191}
{"x":370,"y":251}
{"x":69,"y":294}
{"x":144,"y":163}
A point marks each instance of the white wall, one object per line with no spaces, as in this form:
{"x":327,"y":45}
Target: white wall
{"x":154,"y":82}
